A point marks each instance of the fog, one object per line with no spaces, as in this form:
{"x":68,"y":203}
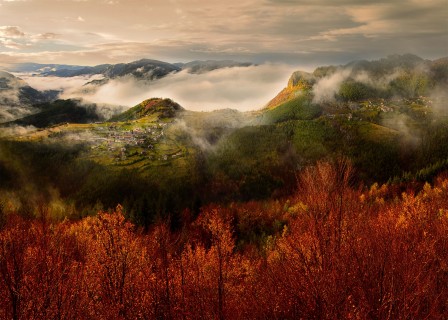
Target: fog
{"x":11,"y":107}
{"x":16,"y":130}
{"x":439,"y":98}
{"x":327,"y":87}
{"x":56,"y":83}
{"x":240,"y":88}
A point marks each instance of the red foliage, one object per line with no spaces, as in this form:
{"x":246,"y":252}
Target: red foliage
{"x":330,"y":252}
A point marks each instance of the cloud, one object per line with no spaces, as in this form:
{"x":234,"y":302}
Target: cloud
{"x":16,"y":130}
{"x":11,"y":32}
{"x":10,"y":44}
{"x":10,"y":106}
{"x":439,"y":97}
{"x":289,"y":31}
{"x":71,"y":138}
{"x":196,"y":137}
{"x":11,"y":36}
{"x":14,"y":38}
{"x":403,"y":124}
{"x":13,"y":112}
{"x":247,"y":88}
{"x":45,"y":36}
{"x":56,"y":83}
{"x":327,"y":87}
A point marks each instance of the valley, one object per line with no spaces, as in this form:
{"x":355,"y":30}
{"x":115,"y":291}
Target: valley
{"x":390,"y":131}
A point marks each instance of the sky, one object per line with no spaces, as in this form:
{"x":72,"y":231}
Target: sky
{"x":295,"y":32}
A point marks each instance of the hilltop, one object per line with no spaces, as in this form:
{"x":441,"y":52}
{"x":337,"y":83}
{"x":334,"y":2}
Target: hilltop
{"x":165,"y":108}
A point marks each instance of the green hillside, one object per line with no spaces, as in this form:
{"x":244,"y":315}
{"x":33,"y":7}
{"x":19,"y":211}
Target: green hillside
{"x":165,"y":108}
{"x":58,"y":112}
{"x":298,"y":108}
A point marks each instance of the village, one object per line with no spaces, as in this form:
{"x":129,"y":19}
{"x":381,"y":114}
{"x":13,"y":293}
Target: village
{"x":371,"y":108}
{"x":126,"y":143}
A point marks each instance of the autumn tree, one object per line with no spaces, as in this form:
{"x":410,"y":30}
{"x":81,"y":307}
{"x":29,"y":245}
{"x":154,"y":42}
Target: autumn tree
{"x":114,"y":261}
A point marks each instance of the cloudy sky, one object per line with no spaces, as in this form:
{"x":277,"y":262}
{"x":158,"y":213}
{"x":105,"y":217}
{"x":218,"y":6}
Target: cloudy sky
{"x":300,"y":32}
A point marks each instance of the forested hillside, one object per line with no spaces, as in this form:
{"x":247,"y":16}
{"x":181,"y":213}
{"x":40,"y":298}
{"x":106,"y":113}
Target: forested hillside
{"x":329,"y":251}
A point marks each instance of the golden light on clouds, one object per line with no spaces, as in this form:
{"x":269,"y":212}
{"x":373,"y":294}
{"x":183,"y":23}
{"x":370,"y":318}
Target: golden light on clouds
{"x":289,"y":31}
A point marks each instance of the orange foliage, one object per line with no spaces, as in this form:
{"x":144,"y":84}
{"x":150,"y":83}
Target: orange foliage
{"x":329,"y":252}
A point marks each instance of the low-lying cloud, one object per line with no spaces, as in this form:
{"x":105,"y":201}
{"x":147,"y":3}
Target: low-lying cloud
{"x":57,"y":83}
{"x":13,"y":112}
{"x":16,"y":130}
{"x":241,"y":88}
{"x":327,"y":87}
{"x":439,"y":98}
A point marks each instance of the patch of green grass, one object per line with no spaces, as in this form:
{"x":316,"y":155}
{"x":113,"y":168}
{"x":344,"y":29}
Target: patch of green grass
{"x":376,"y":133}
{"x":299,"y":108}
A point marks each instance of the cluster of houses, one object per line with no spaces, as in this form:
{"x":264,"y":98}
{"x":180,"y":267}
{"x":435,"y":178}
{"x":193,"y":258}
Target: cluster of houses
{"x":350,"y":110}
{"x":126,"y":143}
{"x":115,"y":139}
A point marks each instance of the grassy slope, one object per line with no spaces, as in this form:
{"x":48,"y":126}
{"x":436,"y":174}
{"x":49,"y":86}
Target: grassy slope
{"x":165,"y":108}
{"x":298,"y":108}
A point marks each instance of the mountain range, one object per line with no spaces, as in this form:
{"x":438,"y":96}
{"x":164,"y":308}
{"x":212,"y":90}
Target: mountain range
{"x":142,"y":69}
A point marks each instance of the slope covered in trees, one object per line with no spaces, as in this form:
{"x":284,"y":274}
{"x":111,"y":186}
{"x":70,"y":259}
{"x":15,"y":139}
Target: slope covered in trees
{"x":330,"y":251}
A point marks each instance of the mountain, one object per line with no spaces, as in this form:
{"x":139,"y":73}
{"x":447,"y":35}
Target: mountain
{"x":17,"y":97}
{"x":74,"y":72}
{"x":164,"y":108}
{"x":300,"y":82}
{"x":39,"y":68}
{"x":403,"y":76}
{"x":142,"y":69}
{"x":145,"y":69}
{"x":59,"y":112}
{"x":198,"y":67}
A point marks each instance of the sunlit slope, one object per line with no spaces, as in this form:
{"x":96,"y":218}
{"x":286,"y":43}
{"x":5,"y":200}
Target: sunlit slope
{"x":163,"y":108}
{"x":298,"y":108}
{"x":299,"y":83}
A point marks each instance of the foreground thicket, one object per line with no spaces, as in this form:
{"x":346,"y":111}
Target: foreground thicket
{"x":329,"y":252}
